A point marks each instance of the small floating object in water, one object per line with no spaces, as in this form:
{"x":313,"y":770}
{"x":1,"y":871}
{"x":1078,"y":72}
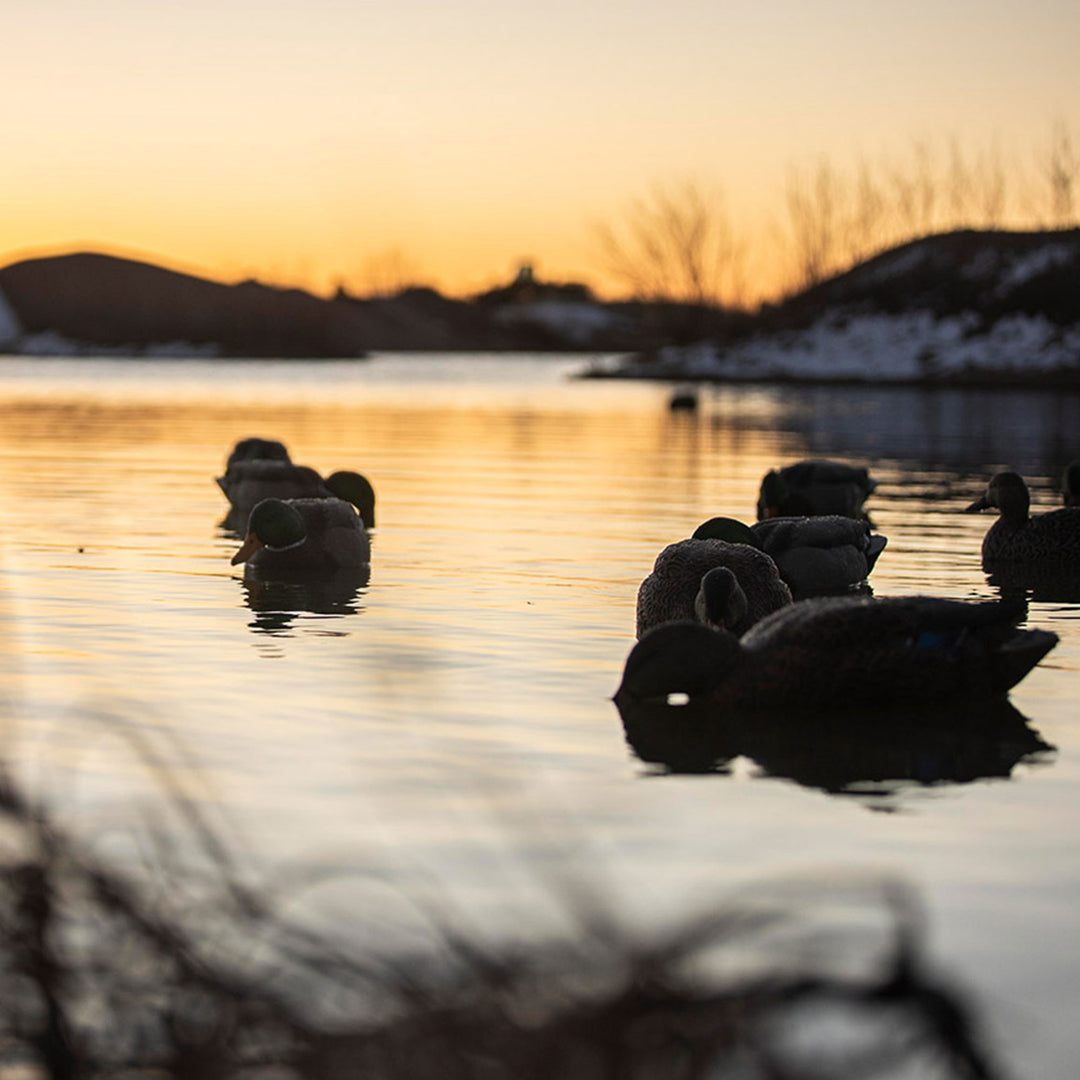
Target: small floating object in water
{"x":684,"y":399}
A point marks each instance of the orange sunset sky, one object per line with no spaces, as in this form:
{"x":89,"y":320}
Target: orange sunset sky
{"x":301,"y":143}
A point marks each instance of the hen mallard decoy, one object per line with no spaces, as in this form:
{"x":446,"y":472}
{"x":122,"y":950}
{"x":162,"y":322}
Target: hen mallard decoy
{"x":674,"y":590}
{"x":841,"y":652}
{"x":811,"y":488}
{"x":814,"y":555}
{"x":1017,"y":536}
{"x":304,"y":536}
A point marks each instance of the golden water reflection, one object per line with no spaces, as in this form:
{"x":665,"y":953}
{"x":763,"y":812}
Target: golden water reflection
{"x":456,"y":706}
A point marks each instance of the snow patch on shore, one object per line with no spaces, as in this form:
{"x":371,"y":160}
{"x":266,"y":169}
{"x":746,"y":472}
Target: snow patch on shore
{"x":911,"y":347}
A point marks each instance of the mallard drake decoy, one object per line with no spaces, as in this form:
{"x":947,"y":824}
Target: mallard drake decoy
{"x":810,"y":488}
{"x":814,"y":555}
{"x":1019,"y":537}
{"x":671,"y":591}
{"x":1070,"y":484}
{"x":304,"y":536}
{"x":840,"y":652}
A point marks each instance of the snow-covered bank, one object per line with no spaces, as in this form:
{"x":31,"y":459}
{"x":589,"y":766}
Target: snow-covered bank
{"x":912,"y":347}
{"x":10,"y":330}
{"x":962,"y":307}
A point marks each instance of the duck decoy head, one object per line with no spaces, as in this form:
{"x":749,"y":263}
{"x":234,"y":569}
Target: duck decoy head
{"x":678,"y":658}
{"x":721,"y":602}
{"x":1007,"y":492}
{"x":725,"y":528}
{"x":273,"y":524}
{"x":356,"y":489}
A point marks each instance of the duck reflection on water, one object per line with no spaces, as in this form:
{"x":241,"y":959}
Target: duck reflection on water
{"x":277,"y":604}
{"x":868,"y":751}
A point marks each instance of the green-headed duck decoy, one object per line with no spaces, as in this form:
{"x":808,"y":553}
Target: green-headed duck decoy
{"x":304,"y":536}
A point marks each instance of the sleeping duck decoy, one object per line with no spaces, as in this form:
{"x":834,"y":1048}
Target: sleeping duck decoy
{"x":1070,"y":484}
{"x":809,"y":488}
{"x":1018,"y":537}
{"x":248,"y":482}
{"x":814,"y":555}
{"x":751,"y":589}
{"x":256,"y":449}
{"x":296,"y":537}
{"x":841,"y":652}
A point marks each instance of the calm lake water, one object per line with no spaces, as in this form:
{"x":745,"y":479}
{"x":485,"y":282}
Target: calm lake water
{"x":449,"y":726}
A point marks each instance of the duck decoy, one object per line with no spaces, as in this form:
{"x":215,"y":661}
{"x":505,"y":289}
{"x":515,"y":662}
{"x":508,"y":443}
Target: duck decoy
{"x":841,"y":652}
{"x":1070,"y":484}
{"x":1018,"y":537}
{"x":810,"y":488}
{"x":293,"y":537}
{"x":683,"y":399}
{"x":248,"y":481}
{"x":814,"y":555}
{"x":256,"y":449}
{"x":750,"y":591}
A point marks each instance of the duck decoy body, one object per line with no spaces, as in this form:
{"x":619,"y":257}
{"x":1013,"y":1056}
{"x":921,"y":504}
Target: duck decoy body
{"x":250,"y":480}
{"x":1017,"y":537}
{"x":1070,"y":484}
{"x":810,"y":488}
{"x":814,"y":555}
{"x":304,"y":536}
{"x":842,"y":652}
{"x":256,"y":449}
{"x":671,"y":591}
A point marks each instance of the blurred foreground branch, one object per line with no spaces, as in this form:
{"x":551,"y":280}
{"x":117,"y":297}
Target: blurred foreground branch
{"x":105,"y":974}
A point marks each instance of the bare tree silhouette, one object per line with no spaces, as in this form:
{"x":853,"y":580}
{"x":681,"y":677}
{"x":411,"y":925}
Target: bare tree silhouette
{"x":1060,"y":162}
{"x":677,"y":243}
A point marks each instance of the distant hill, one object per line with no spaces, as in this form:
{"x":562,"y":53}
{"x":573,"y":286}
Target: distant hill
{"x":87,"y":303}
{"x":961,"y":307}
{"x":958,"y":306}
{"x":989,"y":274}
